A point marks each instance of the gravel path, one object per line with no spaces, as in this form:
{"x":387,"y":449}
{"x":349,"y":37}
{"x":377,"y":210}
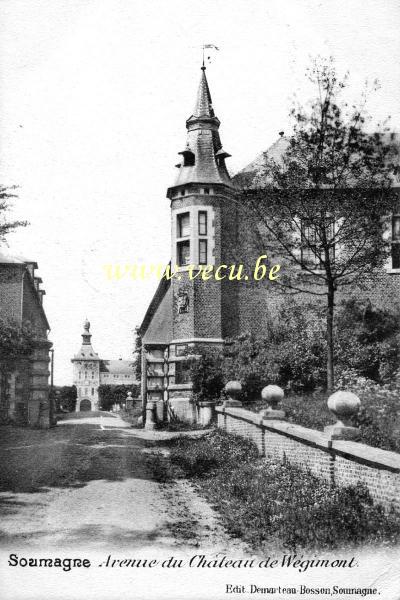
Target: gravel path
{"x":116,"y":504}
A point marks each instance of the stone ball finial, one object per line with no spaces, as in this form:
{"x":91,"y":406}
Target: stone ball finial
{"x":272,"y":394}
{"x":233,"y":389}
{"x":343,"y":405}
{"x":86,"y":325}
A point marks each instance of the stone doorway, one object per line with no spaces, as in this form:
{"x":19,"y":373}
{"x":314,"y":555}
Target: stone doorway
{"x":85,"y":405}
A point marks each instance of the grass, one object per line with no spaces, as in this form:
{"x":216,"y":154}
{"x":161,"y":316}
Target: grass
{"x":268,"y":503}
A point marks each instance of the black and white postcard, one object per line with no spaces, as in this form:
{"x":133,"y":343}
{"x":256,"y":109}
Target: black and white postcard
{"x":199,"y":299}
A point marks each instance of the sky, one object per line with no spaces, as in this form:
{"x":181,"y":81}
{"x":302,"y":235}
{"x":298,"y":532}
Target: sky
{"x":94,"y":95}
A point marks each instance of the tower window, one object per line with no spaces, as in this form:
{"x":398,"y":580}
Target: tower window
{"x":396,"y":242}
{"x":183,"y":253}
{"x":202,"y":223}
{"x":202,"y":252}
{"x":92,"y":391}
{"x":182,"y":372}
{"x":183,"y":225}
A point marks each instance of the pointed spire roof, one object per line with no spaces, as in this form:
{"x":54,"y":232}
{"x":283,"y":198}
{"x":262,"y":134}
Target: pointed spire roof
{"x":203,"y":159}
{"x":203,"y":106}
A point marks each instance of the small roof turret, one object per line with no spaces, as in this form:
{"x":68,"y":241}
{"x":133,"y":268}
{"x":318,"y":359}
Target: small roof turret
{"x":86,"y":351}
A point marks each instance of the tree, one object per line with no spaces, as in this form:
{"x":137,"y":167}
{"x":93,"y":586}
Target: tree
{"x":321,"y":209}
{"x":137,"y":363}
{"x":7,"y":226}
{"x":65,"y":397}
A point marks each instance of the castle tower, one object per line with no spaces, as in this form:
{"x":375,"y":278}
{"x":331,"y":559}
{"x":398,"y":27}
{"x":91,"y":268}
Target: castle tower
{"x":203,"y":233}
{"x":86,"y":373}
{"x":203,"y":219}
{"x":189,"y":315}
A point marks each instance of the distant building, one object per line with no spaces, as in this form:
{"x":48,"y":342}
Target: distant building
{"x":25,"y":396}
{"x":90,"y":371}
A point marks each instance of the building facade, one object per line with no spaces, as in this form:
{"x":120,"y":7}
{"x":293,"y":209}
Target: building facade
{"x":25,"y":394}
{"x":90,"y":371}
{"x":210,"y":227}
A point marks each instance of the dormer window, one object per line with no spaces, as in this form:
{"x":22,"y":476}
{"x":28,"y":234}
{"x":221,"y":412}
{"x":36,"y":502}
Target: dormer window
{"x":188,"y":158}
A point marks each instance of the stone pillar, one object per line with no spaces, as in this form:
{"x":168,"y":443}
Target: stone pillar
{"x":160,"y":411}
{"x":129,"y":402}
{"x":233,"y":389}
{"x":150,"y":416}
{"x":39,"y":401}
{"x":273,"y":396}
{"x":206,"y":413}
{"x":144,"y":381}
{"x":344,"y":405}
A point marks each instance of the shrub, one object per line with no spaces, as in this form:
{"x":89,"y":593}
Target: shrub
{"x":293,"y":352}
{"x":212,"y":451}
{"x":378,"y":416}
{"x":115,"y":394}
{"x":367,"y":340}
{"x":206,"y":376}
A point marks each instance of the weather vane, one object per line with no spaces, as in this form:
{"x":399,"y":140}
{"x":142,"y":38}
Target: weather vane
{"x":208,"y":46}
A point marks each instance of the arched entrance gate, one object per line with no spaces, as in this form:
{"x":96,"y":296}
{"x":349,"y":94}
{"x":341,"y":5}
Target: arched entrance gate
{"x":85,"y":405}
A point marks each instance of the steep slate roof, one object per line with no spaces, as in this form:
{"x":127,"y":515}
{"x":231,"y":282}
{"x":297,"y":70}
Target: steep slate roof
{"x":6,"y":258}
{"x":204,"y":142}
{"x":158,"y":330}
{"x":253,"y":172}
{"x":117,"y":367}
{"x":31,"y":265}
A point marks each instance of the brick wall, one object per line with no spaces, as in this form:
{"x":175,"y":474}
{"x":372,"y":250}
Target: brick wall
{"x":259,"y":301}
{"x":340,"y":462}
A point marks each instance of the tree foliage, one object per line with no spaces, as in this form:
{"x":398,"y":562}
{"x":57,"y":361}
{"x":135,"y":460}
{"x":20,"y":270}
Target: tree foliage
{"x":65,"y":397}
{"x":115,"y":394}
{"x":16,"y":341}
{"x":137,"y":363}
{"x":7,"y":226}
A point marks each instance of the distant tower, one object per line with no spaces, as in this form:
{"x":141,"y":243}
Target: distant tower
{"x":86,"y":373}
{"x":204,"y":230}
